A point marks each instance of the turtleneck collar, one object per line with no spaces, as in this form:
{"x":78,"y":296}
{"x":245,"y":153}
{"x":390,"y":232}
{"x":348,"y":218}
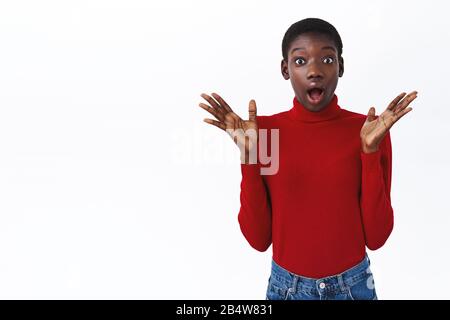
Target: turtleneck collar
{"x":300,"y":113}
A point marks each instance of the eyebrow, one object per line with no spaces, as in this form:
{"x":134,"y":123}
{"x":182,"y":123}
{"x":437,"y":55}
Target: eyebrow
{"x":323,"y":48}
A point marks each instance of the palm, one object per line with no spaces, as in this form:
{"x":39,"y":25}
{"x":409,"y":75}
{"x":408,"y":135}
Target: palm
{"x":244,"y":133}
{"x":376,"y":127}
{"x":374,"y":130}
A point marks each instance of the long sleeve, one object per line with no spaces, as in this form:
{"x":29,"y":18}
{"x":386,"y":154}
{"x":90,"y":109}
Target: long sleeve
{"x":375,"y":201}
{"x":324,"y":183}
{"x":255,"y":216}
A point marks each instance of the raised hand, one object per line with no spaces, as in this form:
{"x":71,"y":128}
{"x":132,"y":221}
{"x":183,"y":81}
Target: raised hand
{"x":375,"y":128}
{"x":243,"y":132}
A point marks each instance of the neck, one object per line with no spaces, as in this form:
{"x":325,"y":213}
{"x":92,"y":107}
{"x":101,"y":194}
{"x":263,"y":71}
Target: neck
{"x":300,"y":113}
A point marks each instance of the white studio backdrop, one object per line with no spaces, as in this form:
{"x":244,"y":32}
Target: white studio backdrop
{"x":112,"y":186}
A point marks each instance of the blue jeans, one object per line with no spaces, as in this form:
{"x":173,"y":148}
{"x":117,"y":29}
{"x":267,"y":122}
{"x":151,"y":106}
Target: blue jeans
{"x":355,"y":283}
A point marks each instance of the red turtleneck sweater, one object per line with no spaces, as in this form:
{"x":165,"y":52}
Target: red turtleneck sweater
{"x":328,"y":200}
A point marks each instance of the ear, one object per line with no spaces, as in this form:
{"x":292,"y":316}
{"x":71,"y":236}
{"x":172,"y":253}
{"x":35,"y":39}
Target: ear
{"x":341,"y":67}
{"x":284,"y":70}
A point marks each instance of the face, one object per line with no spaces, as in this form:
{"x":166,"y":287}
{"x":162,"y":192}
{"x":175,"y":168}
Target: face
{"x":314,"y":68}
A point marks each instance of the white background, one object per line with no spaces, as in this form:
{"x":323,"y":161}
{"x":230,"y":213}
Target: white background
{"x":111,"y":186}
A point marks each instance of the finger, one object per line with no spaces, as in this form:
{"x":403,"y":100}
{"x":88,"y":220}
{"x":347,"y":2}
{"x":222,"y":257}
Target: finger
{"x":252,"y":110}
{"x":222,"y":102}
{"x":406,"y":101}
{"x":402,"y":113}
{"x":371,"y":114}
{"x":394,"y":102}
{"x":218,"y":115}
{"x":218,"y":124}
{"x":213,"y":103}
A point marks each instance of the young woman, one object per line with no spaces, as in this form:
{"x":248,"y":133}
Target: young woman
{"x":329,"y":197}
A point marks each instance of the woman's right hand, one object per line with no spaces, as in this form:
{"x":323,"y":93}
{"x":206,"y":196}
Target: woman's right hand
{"x":243,"y":132}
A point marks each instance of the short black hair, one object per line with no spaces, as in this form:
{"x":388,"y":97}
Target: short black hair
{"x":314,"y":25}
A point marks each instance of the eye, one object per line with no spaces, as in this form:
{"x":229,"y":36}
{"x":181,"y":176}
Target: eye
{"x":300,"y":61}
{"x":328,"y":60}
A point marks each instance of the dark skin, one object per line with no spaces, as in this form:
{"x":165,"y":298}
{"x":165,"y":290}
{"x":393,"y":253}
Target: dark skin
{"x":312,"y":62}
{"x":230,"y":122}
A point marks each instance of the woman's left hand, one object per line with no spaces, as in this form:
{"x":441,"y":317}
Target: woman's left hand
{"x":375,"y":128}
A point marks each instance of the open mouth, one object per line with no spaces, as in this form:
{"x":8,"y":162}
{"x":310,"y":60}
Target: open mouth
{"x":315,"y":95}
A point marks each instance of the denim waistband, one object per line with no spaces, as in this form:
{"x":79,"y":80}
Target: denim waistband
{"x":331,"y":283}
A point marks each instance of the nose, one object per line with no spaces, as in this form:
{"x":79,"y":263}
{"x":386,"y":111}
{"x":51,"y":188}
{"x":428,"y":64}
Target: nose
{"x":314,"y":72}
